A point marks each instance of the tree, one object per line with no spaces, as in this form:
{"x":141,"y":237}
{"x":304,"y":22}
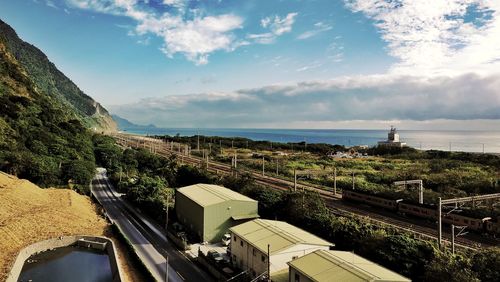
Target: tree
{"x":486,"y":263}
{"x":446,"y":267}
{"x":188,"y":175}
{"x":79,"y":171}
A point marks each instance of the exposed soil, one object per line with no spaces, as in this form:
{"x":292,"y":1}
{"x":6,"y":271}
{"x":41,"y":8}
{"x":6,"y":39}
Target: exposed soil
{"x":29,"y":214}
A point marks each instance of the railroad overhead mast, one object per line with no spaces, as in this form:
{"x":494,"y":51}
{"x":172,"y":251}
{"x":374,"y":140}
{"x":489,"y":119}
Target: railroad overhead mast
{"x":412,"y":183}
{"x":458,"y":202}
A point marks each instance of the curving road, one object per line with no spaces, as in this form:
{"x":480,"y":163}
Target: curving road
{"x":147,"y":238}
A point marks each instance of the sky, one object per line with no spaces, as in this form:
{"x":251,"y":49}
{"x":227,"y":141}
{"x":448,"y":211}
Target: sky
{"x":417,"y":64}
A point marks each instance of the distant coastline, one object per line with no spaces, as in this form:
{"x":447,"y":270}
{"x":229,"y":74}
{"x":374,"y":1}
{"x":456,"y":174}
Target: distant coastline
{"x":464,"y":141}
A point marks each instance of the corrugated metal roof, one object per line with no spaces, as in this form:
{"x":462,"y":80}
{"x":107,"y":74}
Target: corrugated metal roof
{"x":278,"y":234}
{"x":248,"y":216}
{"x":324,"y":265}
{"x":208,"y":194}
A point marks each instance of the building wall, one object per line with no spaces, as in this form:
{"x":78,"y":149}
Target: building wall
{"x":245,"y":256}
{"x":189,"y":214}
{"x":218,"y":219}
{"x":295,"y":276}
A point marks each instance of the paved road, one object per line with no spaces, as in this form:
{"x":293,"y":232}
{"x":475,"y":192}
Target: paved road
{"x":146,"y":236}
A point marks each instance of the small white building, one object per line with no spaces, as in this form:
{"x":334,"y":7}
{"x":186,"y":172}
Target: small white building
{"x":392,"y":140}
{"x":250,"y":242}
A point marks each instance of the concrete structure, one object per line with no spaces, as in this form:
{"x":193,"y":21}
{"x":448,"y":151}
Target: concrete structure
{"x":250,"y":242}
{"x":210,"y":210}
{"x":392,"y":139}
{"x":97,"y":242}
{"x":322,"y":266}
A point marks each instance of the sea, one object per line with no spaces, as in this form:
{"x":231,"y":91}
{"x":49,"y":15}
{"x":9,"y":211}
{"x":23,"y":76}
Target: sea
{"x":465,"y":141}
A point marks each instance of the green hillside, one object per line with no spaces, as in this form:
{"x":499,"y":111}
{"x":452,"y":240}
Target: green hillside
{"x":49,"y":80}
{"x":41,"y":138}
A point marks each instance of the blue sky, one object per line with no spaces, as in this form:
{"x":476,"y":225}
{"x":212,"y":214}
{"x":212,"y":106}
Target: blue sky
{"x":265,"y":63}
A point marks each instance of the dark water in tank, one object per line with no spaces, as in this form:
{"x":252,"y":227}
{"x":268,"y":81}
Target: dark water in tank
{"x":65,"y":264}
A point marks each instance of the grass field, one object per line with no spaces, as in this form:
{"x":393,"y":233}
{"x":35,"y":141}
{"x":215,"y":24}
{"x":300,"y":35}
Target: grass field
{"x":29,"y":214}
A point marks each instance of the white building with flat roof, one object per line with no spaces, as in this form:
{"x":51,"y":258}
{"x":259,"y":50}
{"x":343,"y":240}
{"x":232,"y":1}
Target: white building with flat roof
{"x":392,"y":140}
{"x":250,"y":242}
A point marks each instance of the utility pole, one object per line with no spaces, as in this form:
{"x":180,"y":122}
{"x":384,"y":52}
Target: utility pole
{"x":277,"y":162}
{"x":483,"y":148}
{"x":421,"y":193}
{"x":353,"y":181}
{"x":166,"y":219}
{"x":294,"y":179}
{"x":453,"y":239}
{"x":335,"y":181}
{"x":198,"y":141}
{"x":439,"y":222}
{"x":207,"y":161}
{"x":166,"y":272}
{"x":263,"y":164}
{"x":268,"y":262}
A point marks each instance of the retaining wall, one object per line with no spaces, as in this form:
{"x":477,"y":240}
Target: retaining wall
{"x":65,"y":241}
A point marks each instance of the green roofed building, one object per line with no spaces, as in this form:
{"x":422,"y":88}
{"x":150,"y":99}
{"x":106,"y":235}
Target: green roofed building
{"x":210,"y":210}
{"x":250,"y":241}
{"x":323,"y":266}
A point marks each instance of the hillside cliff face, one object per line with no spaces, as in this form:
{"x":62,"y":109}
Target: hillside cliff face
{"x":48,"y":80}
{"x":42,"y":137}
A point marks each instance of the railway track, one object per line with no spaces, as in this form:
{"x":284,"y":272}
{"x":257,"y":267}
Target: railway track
{"x":334,"y":203}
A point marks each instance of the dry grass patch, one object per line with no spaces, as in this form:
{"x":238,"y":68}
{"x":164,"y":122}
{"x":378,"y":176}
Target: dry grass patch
{"x":29,"y":214}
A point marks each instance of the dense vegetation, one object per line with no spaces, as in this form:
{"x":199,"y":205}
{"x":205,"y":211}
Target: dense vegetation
{"x":215,"y":143}
{"x":40,"y":139}
{"x":145,"y":178}
{"x":444,"y":174}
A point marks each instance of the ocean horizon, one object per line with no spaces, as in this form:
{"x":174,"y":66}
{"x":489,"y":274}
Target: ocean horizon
{"x":445,"y":140}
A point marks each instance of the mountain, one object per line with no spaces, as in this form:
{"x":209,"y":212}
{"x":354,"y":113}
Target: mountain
{"x":126,"y":125}
{"x":44,"y":135}
{"x":50,"y":81}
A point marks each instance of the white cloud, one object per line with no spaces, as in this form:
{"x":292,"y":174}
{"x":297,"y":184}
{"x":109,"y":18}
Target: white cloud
{"x":335,"y":51}
{"x":377,"y":97}
{"x":196,"y":37}
{"x":319,"y":27}
{"x":437,"y":37}
{"x":313,"y":65}
{"x":262,"y":38}
{"x":277,"y":26}
{"x":51,"y":4}
{"x":174,"y":3}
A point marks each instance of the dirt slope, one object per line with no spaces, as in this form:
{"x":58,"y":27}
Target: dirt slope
{"x":29,"y":214}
